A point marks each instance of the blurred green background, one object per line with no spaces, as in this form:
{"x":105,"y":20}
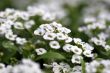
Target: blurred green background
{"x":17,"y":4}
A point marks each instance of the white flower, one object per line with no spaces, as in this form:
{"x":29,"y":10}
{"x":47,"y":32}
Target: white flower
{"x":10,"y":36}
{"x":2,"y":30}
{"x":57,"y":25}
{"x":56,"y":67}
{"x":39,"y":32}
{"x":62,"y":67}
{"x":6,"y":26}
{"x":86,"y":46}
{"x":21,"y":41}
{"x":2,"y":66}
{"x":103,"y":36}
{"x":88,"y":53}
{"x":54,"y":64}
{"x":92,"y":67}
{"x":89,"y":19}
{"x":61,"y":36}
{"x":29,"y":24}
{"x":49,"y":36}
{"x":98,"y":41}
{"x":64,"y":30}
{"x":77,"y":40}
{"x":9,"y":22}
{"x":76,"y":50}
{"x":40,"y":51}
{"x":35,"y":11}
{"x":67,"y":47}
{"x":8,"y":31}
{"x":56,"y":70}
{"x":47,"y":27}
{"x":107,"y":47}
{"x":81,"y":29}
{"x":18,"y":25}
{"x":65,"y":67}
{"x":27,"y":66}
{"x":24,"y":15}
{"x":48,"y":17}
{"x":54,"y":44}
{"x":76,"y":59}
{"x":68,"y":40}
{"x":106,"y":71}
{"x":76,"y":69}
{"x":100,"y":25}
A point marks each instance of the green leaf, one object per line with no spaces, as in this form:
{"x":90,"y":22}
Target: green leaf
{"x":9,"y":49}
{"x":51,"y":56}
{"x":8,"y":44}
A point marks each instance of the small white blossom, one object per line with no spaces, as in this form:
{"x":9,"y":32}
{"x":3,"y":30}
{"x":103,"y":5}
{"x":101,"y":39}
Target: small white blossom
{"x":49,"y":36}
{"x":57,"y":25}
{"x":76,"y":69}
{"x":18,"y":25}
{"x":86,"y":46}
{"x":89,"y":19}
{"x":10,"y":36}
{"x":103,"y":36}
{"x":6,"y":26}
{"x":21,"y":41}
{"x":24,"y":15}
{"x":107,"y":47}
{"x":27,"y":66}
{"x":77,"y":40}
{"x":56,"y":67}
{"x":68,"y":40}
{"x":65,"y":67}
{"x":54,"y":44}
{"x":76,"y":50}
{"x":61,"y":36}
{"x":2,"y":30}
{"x":2,"y":66}
{"x":88,"y":53}
{"x":39,"y":32}
{"x":76,"y":59}
{"x":98,"y":41}
{"x":67,"y":47}
{"x":29,"y":24}
{"x":48,"y":17}
{"x":40,"y":51}
{"x":35,"y":11}
{"x":62,"y":67}
{"x":47,"y":27}
{"x":64,"y":30}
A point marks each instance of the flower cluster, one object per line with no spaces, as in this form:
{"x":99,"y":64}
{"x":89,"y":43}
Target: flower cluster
{"x":85,"y":49}
{"x":55,"y":33}
{"x":10,"y":22}
{"x":52,"y":31}
{"x":66,"y":36}
{"x":64,"y":67}
{"x":57,"y":68}
{"x":97,"y":29}
{"x":93,"y":67}
{"x":27,"y":66}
